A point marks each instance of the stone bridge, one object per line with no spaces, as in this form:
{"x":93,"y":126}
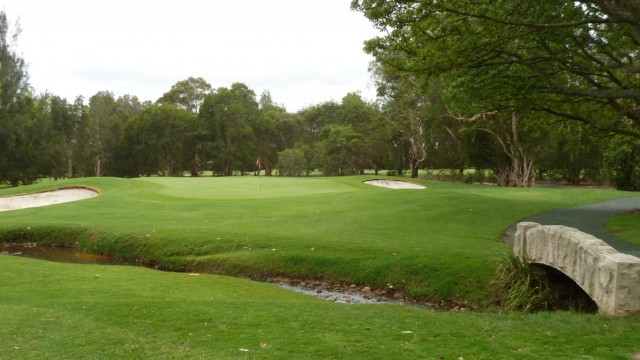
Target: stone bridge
{"x":610,"y":278}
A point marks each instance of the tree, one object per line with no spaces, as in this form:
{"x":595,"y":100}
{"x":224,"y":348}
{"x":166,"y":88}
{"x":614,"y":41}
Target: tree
{"x":153,"y":141}
{"x":266,"y":131}
{"x":577,"y":60}
{"x":623,"y":158}
{"x":15,"y":104}
{"x":187,"y":94}
{"x":341,"y":150}
{"x":106,"y":118}
{"x":68,"y":121}
{"x":315,"y":118}
{"x":516,"y":141}
{"x":229,"y":116}
{"x":101,"y":120}
{"x":291,"y":162}
{"x":414,"y":112}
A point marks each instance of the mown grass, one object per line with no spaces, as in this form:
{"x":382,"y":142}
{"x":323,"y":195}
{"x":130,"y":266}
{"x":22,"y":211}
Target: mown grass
{"x":437,"y":243}
{"x":626,"y":226}
{"x":52,"y":310}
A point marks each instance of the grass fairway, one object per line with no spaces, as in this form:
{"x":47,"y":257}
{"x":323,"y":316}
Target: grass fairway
{"x":437,"y":243}
{"x":65,"y":311}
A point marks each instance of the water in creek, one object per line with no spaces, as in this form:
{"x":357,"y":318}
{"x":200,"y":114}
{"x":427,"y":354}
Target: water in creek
{"x":59,"y":254}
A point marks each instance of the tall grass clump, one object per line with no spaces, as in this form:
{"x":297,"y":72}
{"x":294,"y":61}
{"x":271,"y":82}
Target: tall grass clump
{"x":521,"y":286}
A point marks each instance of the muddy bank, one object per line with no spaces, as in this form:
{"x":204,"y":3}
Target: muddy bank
{"x":57,"y":254}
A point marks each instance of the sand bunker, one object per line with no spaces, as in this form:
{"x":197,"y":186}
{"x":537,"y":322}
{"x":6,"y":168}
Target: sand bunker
{"x":45,"y":198}
{"x":395,"y":184}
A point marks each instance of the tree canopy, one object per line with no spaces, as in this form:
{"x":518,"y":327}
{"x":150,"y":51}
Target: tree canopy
{"x":578,"y":60}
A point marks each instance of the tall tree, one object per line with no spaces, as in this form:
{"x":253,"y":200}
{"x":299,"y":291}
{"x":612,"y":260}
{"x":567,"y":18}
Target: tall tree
{"x":187,"y":94}
{"x":154,"y":141}
{"x":15,"y":103}
{"x":341,"y":150}
{"x":101,"y":118}
{"x":578,"y":60}
{"x":68,"y":124}
{"x":229,"y":116}
{"x":414,"y":111}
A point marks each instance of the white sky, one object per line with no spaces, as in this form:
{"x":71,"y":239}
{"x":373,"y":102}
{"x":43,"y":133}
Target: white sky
{"x":303,"y":51}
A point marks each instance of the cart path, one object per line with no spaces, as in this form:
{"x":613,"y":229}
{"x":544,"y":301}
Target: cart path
{"x":591,"y":219}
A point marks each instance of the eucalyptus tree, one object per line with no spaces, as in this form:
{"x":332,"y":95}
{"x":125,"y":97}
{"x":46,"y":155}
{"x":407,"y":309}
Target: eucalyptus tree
{"x":155,"y":142}
{"x":229,"y":116}
{"x":68,"y":122}
{"x":577,"y":60}
{"x":15,"y":105}
{"x":187,"y":94}
{"x":267,"y":133}
{"x":316,"y":117}
{"x":415,"y":112}
{"x":341,"y":150}
{"x":101,"y":119}
{"x":107,"y":116}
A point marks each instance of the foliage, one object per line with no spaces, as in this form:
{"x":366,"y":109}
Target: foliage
{"x":15,"y":103}
{"x":341,"y":151}
{"x":576,"y":60}
{"x":525,"y":287}
{"x":576,"y":153}
{"x":291,"y":162}
{"x":187,"y":94}
{"x":155,"y":141}
{"x":623,"y":158}
{"x":229,"y":116}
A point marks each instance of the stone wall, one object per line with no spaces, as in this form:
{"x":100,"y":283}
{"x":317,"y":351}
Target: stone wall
{"x":612,"y":279}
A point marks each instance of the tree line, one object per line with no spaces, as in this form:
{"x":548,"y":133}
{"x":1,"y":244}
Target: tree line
{"x":449,"y":97}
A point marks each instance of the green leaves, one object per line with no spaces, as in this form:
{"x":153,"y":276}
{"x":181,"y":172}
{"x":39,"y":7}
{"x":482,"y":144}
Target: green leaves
{"x":538,"y":55}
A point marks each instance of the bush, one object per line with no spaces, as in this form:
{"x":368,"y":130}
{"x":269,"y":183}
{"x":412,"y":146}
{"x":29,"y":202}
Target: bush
{"x":291,"y":162}
{"x":623,"y":158}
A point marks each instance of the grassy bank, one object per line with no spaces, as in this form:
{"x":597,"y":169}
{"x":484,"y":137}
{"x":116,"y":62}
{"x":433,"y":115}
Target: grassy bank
{"x":437,"y":243}
{"x":55,"y":311}
{"x":626,"y":226}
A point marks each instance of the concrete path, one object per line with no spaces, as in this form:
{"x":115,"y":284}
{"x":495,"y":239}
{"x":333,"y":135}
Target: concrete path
{"x":591,"y":219}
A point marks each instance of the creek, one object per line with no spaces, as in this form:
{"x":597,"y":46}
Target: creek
{"x":58,"y":254}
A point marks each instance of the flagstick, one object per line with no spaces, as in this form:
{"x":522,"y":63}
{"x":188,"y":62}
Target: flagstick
{"x":259,"y":165}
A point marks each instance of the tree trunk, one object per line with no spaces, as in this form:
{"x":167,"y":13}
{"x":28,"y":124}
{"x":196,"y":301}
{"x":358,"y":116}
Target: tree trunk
{"x":98,"y":166}
{"x":414,"y":167}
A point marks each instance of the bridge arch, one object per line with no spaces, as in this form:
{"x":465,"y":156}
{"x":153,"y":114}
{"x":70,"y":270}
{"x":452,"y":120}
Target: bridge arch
{"x":610,"y":278}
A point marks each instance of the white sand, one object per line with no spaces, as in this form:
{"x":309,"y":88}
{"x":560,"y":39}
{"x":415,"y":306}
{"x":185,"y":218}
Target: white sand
{"x":45,"y":198}
{"x":395,"y":184}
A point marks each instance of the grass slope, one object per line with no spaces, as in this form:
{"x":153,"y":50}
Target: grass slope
{"x":69,"y":311}
{"x":438,"y":243}
{"x":626,"y":226}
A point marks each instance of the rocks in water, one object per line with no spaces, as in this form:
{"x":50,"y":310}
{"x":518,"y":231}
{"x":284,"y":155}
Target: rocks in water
{"x":353,"y":294}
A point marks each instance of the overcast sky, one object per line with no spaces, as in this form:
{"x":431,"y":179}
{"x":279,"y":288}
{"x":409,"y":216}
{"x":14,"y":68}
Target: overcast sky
{"x":303,"y":51}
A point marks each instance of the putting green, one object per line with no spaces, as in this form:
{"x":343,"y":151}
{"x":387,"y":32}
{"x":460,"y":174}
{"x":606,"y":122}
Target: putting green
{"x":248,"y":187}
